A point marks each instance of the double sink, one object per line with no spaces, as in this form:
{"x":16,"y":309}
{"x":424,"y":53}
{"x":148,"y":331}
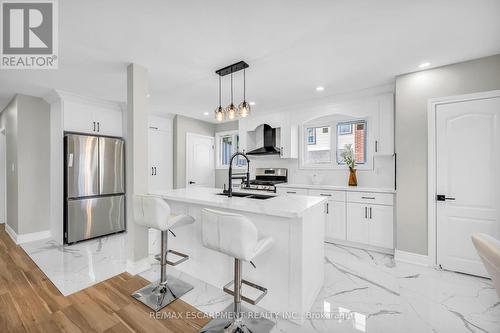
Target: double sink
{"x":248,"y":195}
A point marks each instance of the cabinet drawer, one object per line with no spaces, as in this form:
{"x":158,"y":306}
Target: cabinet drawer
{"x":289,"y":190}
{"x":331,"y":195}
{"x":371,"y":198}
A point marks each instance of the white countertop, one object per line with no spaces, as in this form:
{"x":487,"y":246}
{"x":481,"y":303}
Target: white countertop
{"x":338,"y":188}
{"x":289,"y":206}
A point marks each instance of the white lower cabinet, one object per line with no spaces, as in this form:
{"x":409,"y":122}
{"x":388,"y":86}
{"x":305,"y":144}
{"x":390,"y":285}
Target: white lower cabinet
{"x":370,"y":224}
{"x":335,"y":225}
{"x":364,"y":218}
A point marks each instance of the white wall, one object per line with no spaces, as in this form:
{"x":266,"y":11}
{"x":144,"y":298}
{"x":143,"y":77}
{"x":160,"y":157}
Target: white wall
{"x":3,"y":188}
{"x":362,"y":104}
{"x":183,"y":125}
{"x":412,"y":94}
{"x":27,"y":128}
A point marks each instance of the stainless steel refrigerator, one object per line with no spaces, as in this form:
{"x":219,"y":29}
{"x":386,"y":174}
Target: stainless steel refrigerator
{"x":94,"y":187}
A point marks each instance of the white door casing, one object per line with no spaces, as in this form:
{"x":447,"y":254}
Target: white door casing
{"x":465,"y":168}
{"x":200,"y":160}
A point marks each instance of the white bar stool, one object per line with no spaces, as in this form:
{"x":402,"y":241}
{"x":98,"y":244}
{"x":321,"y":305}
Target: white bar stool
{"x":154,"y":212}
{"x":236,"y":236}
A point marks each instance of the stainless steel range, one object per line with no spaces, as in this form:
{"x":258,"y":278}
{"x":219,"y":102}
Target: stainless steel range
{"x":267,"y":178}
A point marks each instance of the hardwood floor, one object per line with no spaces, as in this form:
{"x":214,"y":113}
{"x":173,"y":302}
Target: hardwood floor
{"x":29,"y":302}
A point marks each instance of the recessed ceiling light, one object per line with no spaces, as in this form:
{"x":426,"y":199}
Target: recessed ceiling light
{"x":205,"y":113}
{"x":252,"y":103}
{"x":320,"y":88}
{"x":424,"y":64}
{"x":148,"y":95}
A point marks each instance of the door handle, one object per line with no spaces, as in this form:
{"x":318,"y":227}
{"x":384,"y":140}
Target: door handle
{"x":442,"y":197}
{"x":98,"y":126}
{"x":191,"y":182}
{"x":94,"y":125}
{"x":370,"y":213}
{"x":376,"y":146}
{"x":152,"y":171}
{"x":155,"y":170}
{"x":366,"y":212}
{"x":327,"y":210}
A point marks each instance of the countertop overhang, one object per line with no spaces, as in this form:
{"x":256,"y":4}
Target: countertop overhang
{"x":288,"y":206}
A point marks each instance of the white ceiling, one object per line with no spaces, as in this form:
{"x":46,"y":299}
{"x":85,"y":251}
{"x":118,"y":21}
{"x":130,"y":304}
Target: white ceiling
{"x":291,"y":46}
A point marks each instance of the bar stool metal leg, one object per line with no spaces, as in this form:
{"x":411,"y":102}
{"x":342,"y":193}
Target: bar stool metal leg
{"x":236,"y":320}
{"x":159,"y":294}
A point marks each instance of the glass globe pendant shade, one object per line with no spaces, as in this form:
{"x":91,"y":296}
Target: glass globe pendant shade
{"x":244,"y":109}
{"x":231,"y":111}
{"x":219,"y":113}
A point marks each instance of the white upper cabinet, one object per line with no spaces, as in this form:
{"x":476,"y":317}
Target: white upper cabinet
{"x":91,"y":116}
{"x":384,"y":136}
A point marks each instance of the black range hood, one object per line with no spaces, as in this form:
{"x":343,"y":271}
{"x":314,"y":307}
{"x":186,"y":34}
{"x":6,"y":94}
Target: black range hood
{"x":268,"y":141}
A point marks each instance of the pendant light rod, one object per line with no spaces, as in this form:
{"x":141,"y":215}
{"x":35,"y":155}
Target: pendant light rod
{"x":231,"y":88}
{"x":244,"y":86}
{"x":220,"y":98}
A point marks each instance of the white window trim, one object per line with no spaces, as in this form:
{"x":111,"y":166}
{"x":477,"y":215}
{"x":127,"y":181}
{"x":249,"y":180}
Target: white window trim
{"x":218,"y":135}
{"x":369,"y":165}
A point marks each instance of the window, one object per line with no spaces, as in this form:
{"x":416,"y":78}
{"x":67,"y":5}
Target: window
{"x":352,"y":134}
{"x":318,"y":147}
{"x":227,"y":145}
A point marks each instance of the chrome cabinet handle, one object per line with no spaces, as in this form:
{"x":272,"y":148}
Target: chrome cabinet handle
{"x":98,"y":126}
{"x":94,"y":126}
{"x":291,"y":192}
{"x":370,"y":198}
{"x":327,"y":210}
{"x":376,"y":146}
{"x":370,"y":212}
{"x":366,"y":212}
{"x":325,"y":195}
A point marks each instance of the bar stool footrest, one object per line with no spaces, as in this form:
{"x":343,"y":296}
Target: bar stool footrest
{"x":184,"y":257}
{"x":244,"y":298}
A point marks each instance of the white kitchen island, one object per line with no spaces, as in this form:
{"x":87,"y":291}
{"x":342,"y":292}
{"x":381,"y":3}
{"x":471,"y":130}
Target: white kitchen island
{"x":292,"y":270}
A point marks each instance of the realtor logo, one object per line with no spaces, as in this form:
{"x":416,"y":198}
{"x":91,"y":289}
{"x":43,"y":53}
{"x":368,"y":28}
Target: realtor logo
{"x":29,"y":34}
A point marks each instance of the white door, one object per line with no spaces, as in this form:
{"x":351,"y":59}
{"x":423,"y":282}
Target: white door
{"x":200,"y":157}
{"x":467,"y":174}
{"x":160,"y":160}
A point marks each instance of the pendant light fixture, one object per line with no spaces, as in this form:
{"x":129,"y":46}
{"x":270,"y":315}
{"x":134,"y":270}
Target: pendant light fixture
{"x":244,"y":107}
{"x":231,"y":109}
{"x":219,"y":111}
{"x":231,"y":112}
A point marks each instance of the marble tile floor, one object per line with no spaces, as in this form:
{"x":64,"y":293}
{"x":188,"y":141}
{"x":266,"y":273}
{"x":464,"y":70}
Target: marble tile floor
{"x":364,"y":291}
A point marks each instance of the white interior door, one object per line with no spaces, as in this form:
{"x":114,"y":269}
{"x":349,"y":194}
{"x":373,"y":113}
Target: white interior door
{"x":3,"y":178}
{"x":200,"y":157}
{"x":467,"y":171}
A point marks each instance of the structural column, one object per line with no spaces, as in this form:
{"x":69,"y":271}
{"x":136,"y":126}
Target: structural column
{"x":136,"y":163}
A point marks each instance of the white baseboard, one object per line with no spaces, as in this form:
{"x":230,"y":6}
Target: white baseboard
{"x":11,"y":233}
{"x":136,"y":267}
{"x":411,"y":258}
{"x":26,"y":238}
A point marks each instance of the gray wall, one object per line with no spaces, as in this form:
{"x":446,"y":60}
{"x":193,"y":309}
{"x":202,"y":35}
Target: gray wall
{"x":412,"y":93}
{"x":183,"y":125}
{"x":27,"y":126}
{"x":221,"y":175}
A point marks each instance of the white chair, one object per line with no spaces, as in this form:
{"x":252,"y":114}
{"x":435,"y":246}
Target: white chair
{"x":488,"y":249}
{"x":236,"y":236}
{"x":154,"y":212}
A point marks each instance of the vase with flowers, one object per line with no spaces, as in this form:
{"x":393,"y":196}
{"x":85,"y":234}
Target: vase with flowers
{"x":347,"y":155}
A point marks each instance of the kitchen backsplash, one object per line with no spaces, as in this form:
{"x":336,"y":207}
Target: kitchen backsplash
{"x":381,"y":176}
